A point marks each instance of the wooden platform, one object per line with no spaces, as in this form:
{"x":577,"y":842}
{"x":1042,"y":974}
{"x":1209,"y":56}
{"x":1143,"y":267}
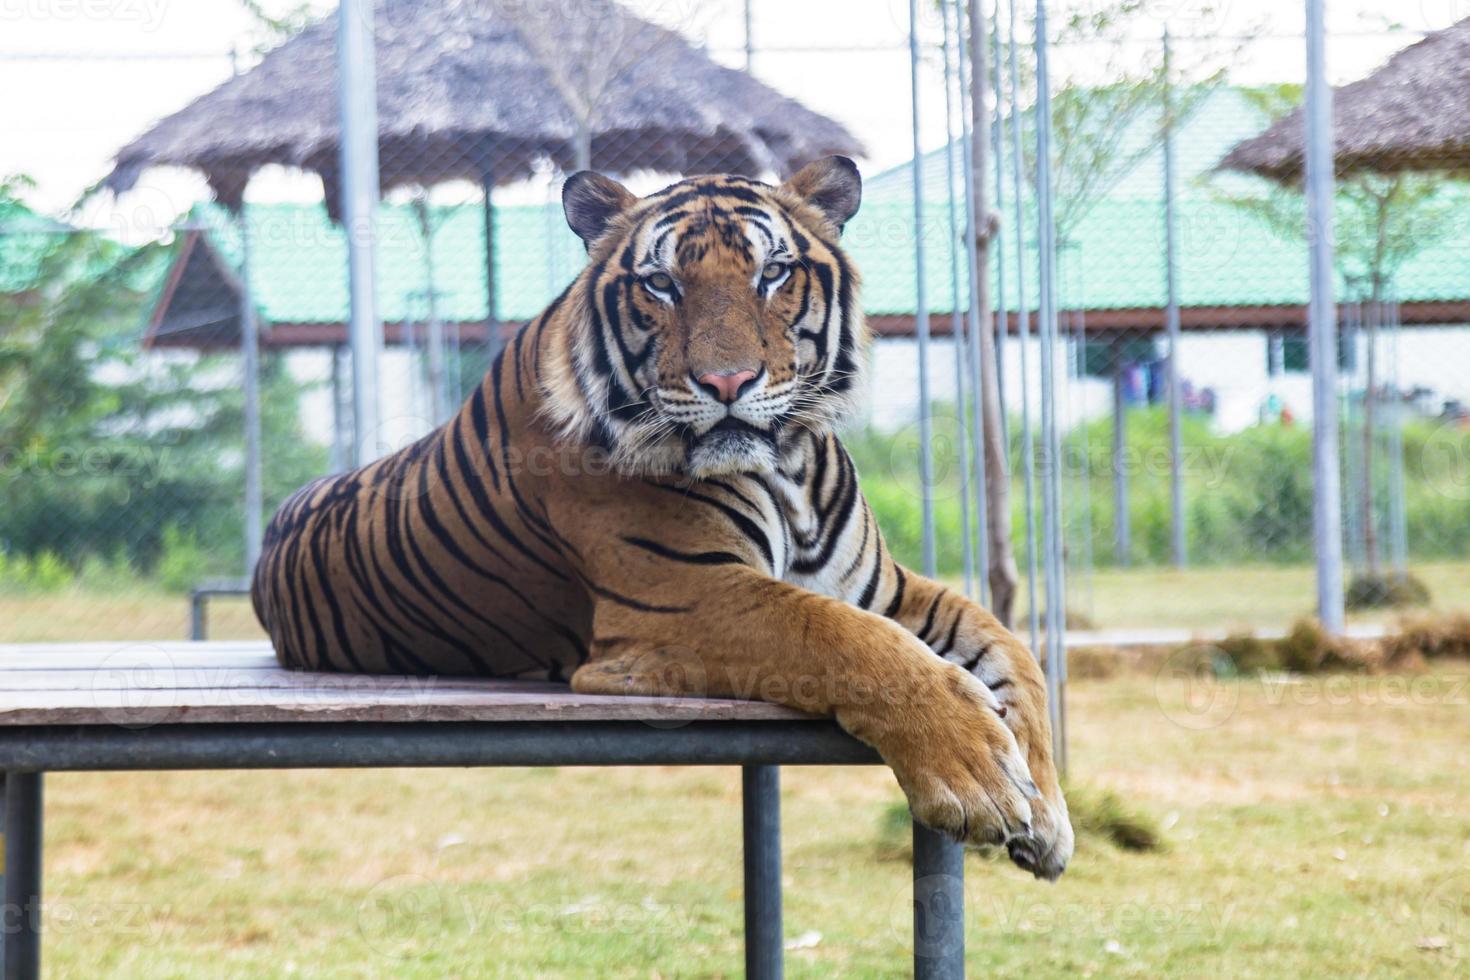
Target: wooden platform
{"x":224,"y":682}
{"x":87,"y":707}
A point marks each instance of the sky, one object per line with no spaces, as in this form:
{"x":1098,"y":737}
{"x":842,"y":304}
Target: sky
{"x":81,"y":77}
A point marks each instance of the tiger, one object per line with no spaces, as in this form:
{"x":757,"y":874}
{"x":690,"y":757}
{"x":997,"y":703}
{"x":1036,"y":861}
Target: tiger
{"x":649,"y":477}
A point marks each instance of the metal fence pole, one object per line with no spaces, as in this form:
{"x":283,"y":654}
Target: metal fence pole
{"x":1398,"y":489}
{"x":959,"y":334}
{"x":1002,"y":320}
{"x":974,"y":315}
{"x":250,"y":362}
{"x":1171,"y":319}
{"x":1322,"y":320}
{"x":1028,"y":442}
{"x":198,"y":624}
{"x":938,"y":861}
{"x":358,"y":94}
{"x":761,"y":806}
{"x":1351,"y":323}
{"x":979,"y":316}
{"x":921,"y":306}
{"x":494,"y":342}
{"x":439,"y":406}
{"x":340,"y":454}
{"x":749,"y":36}
{"x":1051,"y":472}
{"x":1122,"y":526}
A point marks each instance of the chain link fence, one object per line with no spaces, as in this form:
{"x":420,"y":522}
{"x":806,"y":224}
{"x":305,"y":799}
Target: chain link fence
{"x":124,"y":392}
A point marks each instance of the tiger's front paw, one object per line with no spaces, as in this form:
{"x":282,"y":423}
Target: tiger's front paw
{"x":965,"y":776}
{"x":1014,"y":678}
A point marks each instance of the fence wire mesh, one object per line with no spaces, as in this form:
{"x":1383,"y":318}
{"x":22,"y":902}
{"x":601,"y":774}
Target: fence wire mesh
{"x":1180,"y":229}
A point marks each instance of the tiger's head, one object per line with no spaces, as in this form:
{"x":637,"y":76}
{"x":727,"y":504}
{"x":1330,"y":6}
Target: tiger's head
{"x":716,"y":319}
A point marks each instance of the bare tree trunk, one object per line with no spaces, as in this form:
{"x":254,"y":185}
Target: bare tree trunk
{"x":1002,"y":571}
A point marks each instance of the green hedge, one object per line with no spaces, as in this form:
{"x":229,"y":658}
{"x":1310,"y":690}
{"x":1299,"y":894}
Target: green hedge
{"x":1248,"y":495}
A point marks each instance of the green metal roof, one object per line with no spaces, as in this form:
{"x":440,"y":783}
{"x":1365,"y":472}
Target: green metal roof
{"x":1114,"y":258}
{"x":299,"y":260}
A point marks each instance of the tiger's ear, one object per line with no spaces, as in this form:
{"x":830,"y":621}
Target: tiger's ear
{"x":832,"y":185}
{"x":591,"y":201}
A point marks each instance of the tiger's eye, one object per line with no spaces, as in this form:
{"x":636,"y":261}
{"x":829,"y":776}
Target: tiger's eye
{"x":773,"y":270}
{"x":661,"y":281}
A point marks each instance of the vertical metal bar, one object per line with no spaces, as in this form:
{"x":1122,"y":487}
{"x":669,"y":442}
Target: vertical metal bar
{"x":1351,"y":322}
{"x":1171,"y":320}
{"x":1051,"y":472}
{"x":197,"y":625}
{"x":493,"y":341}
{"x":1122,"y":525}
{"x":957,"y":325}
{"x":358,"y":96}
{"x":339,"y":457}
{"x":1028,"y":442}
{"x":996,"y":521}
{"x":977,"y":312}
{"x":938,"y":861}
{"x":1398,"y":509}
{"x":939,"y":906}
{"x":22,"y":918}
{"x":1321,"y":316}
{"x":749,"y":36}
{"x":761,"y":805}
{"x":250,"y":365}
{"x":1081,"y":554}
{"x":921,"y":306}
{"x":1367,"y":473}
{"x":438,"y":391}
{"x":1002,"y":321}
{"x":1057,"y":558}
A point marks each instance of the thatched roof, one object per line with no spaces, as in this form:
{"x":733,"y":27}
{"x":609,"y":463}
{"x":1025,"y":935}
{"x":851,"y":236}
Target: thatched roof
{"x":470,"y":88}
{"x":1411,"y":114}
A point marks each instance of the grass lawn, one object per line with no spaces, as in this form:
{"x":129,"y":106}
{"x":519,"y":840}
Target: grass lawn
{"x":1315,"y":828}
{"x":1228,"y":598}
{"x":1206,"y":598}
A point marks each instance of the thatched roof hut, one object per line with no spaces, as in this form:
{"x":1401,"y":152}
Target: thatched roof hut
{"x":483,"y":90}
{"x":1411,"y":114}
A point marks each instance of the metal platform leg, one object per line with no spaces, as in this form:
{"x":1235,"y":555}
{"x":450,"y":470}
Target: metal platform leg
{"x":939,"y":906}
{"x":21,"y":921}
{"x":198,"y":626}
{"x":761,"y":786}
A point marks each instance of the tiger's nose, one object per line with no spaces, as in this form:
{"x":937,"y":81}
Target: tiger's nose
{"x":727,"y":385}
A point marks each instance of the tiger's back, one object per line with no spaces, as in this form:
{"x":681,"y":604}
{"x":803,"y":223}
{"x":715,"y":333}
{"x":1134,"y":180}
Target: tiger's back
{"x":436,"y":559}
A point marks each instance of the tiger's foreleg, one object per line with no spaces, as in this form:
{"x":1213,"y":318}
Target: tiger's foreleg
{"x":965,"y":633}
{"x":731,"y":631}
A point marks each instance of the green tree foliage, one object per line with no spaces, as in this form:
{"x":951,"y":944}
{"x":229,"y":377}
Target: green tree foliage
{"x":1380,"y":220}
{"x":106,"y":450}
